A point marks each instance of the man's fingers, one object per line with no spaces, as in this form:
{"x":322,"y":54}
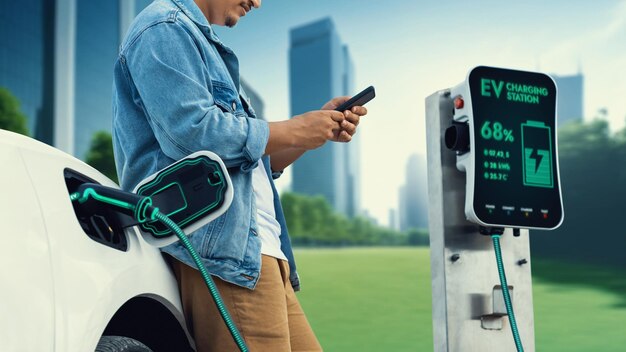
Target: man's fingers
{"x":348,"y":127}
{"x":340,"y":100}
{"x":336,"y":115}
{"x":344,"y":136}
{"x":334,"y":103}
{"x":352,"y":117}
{"x":359,"y":110}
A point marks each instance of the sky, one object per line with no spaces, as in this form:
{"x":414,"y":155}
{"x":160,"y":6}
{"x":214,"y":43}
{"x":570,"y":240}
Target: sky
{"x":411,"y":49}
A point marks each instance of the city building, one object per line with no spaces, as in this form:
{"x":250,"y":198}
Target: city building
{"x":569,"y":98}
{"x":413,"y":195}
{"x":393,"y":220}
{"x":98,"y":30}
{"x":57,"y":58}
{"x":255,"y":99}
{"x":26,"y":60}
{"x":320,"y":68}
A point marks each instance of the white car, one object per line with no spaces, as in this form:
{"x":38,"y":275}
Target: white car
{"x":71,"y":282}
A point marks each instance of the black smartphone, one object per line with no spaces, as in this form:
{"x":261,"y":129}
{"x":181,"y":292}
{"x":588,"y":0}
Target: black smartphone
{"x":358,"y":100}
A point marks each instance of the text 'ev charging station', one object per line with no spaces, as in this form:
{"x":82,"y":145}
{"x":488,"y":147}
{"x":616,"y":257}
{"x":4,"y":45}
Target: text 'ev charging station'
{"x":501,"y":124}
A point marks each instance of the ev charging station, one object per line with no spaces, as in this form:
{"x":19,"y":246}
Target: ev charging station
{"x":492,"y":172}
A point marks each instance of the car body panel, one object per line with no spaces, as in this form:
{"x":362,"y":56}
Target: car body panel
{"x":75,"y":285}
{"x":27,"y":308}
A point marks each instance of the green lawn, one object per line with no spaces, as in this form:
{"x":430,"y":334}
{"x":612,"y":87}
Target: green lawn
{"x":379,"y":299}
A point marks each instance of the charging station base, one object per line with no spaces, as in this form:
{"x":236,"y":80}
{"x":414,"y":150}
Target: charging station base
{"x":466,"y":294}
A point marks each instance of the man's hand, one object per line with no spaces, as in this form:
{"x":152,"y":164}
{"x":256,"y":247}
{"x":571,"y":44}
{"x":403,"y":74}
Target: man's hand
{"x":304,"y":132}
{"x":312,"y":129}
{"x":290,"y":139}
{"x":352,"y":119}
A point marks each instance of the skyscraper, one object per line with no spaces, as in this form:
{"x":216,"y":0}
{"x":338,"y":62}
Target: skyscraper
{"x":57,"y":58}
{"x":570,"y":98}
{"x":321,"y":69}
{"x":255,"y":100}
{"x":97,"y":42}
{"x":352,"y":149}
{"x":26,"y":60}
{"x":393,"y":220}
{"x":413,"y":195}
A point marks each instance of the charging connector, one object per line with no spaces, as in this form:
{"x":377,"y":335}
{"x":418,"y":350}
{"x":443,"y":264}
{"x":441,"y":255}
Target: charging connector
{"x":141,"y":208}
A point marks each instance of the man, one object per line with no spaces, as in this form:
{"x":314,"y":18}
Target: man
{"x":177,"y":91}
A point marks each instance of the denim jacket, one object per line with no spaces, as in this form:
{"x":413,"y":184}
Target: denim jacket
{"x":176,"y":91}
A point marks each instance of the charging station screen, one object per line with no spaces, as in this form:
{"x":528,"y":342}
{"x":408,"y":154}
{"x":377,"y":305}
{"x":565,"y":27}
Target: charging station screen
{"x":516,"y":180}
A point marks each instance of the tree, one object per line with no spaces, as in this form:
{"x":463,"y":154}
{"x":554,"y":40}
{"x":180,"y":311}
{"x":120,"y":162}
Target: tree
{"x":592,"y":164}
{"x":418,"y":237}
{"x":11,"y":118}
{"x":100,"y":154}
{"x":312,"y":221}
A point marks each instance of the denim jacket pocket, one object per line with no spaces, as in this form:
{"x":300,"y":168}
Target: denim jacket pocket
{"x":227,"y":99}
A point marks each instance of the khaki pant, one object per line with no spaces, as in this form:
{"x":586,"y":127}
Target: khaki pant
{"x":269,"y":318}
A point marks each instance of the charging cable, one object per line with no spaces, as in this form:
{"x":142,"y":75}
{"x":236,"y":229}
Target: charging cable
{"x":505,"y":292}
{"x":141,"y":209}
{"x":496,"y":233}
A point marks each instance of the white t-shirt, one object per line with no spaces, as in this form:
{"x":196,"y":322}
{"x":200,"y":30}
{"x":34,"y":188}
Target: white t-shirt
{"x":268,"y":227}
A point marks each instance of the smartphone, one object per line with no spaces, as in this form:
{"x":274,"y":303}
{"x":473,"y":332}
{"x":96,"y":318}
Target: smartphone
{"x":358,"y":100}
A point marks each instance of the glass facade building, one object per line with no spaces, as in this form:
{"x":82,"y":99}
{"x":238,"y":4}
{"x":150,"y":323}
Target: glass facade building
{"x":413,"y":195}
{"x":26,"y":60}
{"x":140,"y":5}
{"x":255,"y":100}
{"x":570,"y":98}
{"x":57,"y":57}
{"x":320,"y":68}
{"x":97,"y":42}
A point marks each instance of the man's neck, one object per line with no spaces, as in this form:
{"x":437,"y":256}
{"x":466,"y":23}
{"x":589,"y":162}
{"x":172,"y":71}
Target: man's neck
{"x":203,"y":5}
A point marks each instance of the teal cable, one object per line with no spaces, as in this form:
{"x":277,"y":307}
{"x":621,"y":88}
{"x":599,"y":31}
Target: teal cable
{"x":505,"y":292}
{"x":156,"y":215}
{"x":207,"y":278}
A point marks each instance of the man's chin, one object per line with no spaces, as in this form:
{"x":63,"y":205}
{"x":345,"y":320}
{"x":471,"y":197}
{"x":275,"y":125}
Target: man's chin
{"x":231,"y":21}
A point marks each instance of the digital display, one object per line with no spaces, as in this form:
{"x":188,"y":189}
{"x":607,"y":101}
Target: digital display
{"x":516,"y":179}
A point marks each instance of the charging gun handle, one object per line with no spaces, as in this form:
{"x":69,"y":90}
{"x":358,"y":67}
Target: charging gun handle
{"x":127,"y":203}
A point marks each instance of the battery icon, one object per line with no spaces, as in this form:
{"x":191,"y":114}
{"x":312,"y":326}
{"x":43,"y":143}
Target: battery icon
{"x":537,"y":154}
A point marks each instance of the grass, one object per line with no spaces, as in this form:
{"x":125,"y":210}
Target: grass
{"x":379,"y":299}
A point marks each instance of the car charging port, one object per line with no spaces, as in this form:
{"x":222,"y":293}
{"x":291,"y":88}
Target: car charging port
{"x":101,"y":224}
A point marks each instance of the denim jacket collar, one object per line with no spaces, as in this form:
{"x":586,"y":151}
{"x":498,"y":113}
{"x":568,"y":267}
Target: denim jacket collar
{"x":192,"y":11}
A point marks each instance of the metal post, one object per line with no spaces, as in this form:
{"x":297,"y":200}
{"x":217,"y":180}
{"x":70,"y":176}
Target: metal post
{"x":468,"y":308}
